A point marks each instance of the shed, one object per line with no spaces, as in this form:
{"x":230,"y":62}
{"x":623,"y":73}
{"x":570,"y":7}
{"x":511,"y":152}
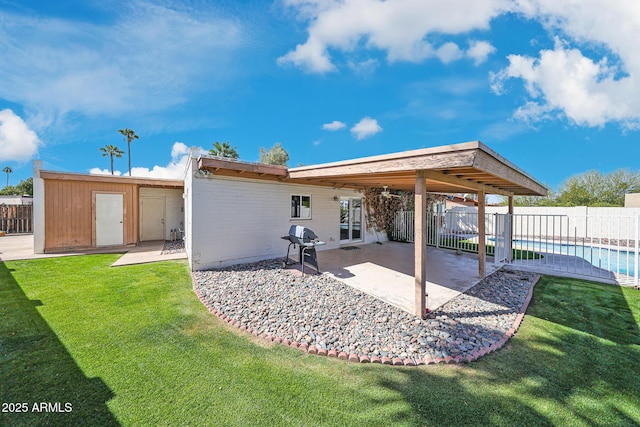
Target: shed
{"x":80,"y":211}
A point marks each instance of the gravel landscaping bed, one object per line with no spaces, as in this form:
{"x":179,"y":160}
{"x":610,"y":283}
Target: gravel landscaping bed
{"x":323,"y":314}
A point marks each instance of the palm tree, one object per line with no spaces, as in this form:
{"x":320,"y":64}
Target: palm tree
{"x":224,"y":150}
{"x":111,"y":151}
{"x":7,"y":170}
{"x":129,"y":135}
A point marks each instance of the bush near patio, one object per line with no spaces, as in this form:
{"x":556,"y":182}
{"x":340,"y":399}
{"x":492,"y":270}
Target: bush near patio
{"x":134,"y":346}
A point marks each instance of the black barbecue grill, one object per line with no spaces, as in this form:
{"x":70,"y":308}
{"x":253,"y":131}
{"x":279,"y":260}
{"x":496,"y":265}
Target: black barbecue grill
{"x":307,"y":241}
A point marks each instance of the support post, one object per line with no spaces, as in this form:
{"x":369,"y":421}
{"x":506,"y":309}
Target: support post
{"x":636,"y":265}
{"x":38,"y":224}
{"x":482,"y":249}
{"x":420,"y":245}
{"x":510,"y":231}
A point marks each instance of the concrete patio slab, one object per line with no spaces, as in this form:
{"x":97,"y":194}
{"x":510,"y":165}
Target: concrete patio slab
{"x":386,"y":272}
{"x":146,"y":252}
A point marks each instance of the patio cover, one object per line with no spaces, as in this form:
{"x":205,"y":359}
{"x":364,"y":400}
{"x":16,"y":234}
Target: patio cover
{"x":461,"y":168}
{"x":469,"y":167}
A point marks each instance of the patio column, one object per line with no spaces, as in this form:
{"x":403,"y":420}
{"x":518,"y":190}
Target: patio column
{"x":420,"y":244}
{"x":482,"y":250}
{"x":510,"y":233}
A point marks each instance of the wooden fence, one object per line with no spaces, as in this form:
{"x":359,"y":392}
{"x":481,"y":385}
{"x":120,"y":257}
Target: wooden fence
{"x":16,"y":218}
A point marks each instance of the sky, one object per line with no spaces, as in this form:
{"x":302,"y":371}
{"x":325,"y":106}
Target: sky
{"x":553,"y":86}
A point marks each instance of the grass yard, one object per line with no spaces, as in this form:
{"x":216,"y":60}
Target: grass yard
{"x":134,"y":346}
{"x":468,"y":246}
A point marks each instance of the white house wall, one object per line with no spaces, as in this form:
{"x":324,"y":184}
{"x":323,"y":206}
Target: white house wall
{"x":174,"y":215}
{"x":188,"y":191}
{"x":236,"y":220}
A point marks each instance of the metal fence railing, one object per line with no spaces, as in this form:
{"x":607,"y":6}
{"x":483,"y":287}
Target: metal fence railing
{"x":603,"y":247}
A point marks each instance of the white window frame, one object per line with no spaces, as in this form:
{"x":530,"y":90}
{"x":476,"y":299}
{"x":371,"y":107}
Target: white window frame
{"x":300,"y":198}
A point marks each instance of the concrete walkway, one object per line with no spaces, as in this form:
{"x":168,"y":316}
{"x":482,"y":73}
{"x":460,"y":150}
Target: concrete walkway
{"x":146,"y":252}
{"x":387,"y":272}
{"x":20,"y":246}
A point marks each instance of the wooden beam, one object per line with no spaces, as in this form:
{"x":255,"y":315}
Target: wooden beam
{"x":465,"y":183}
{"x":241,"y":167}
{"x":383,"y":164}
{"x":420,"y":245}
{"x":482,"y":250}
{"x":486,"y":162}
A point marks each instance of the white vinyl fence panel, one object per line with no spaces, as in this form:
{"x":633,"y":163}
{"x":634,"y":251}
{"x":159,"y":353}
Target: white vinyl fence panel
{"x":592,"y":246}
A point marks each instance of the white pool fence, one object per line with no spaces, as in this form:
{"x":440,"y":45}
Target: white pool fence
{"x":601,"y":247}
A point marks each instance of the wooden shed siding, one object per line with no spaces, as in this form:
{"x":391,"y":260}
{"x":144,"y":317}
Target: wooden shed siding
{"x":70,"y":216}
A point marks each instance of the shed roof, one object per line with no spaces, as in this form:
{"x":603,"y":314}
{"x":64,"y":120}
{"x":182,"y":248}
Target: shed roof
{"x":140,"y":181}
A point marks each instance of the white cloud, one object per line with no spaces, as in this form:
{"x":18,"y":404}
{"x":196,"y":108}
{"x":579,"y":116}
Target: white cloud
{"x":365,"y":128}
{"x":17,"y":142}
{"x":592,"y":76}
{"x":399,"y":27}
{"x":479,"y":51}
{"x":98,"y":171}
{"x":363,"y":68}
{"x":334,"y":125}
{"x":449,"y":52}
{"x":173,"y":170}
{"x":147,"y":58}
{"x":564,"y":80}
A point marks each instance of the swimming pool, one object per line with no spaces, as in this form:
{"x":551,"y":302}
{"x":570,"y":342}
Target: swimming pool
{"x":614,"y":260}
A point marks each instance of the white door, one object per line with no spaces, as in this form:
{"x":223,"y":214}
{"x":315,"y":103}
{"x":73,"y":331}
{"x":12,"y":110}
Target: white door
{"x":152,"y":218}
{"x":350,"y":220}
{"x":109,"y":219}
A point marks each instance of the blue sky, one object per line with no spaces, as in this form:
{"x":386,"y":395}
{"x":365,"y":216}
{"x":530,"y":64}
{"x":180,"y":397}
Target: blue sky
{"x":553,"y":86}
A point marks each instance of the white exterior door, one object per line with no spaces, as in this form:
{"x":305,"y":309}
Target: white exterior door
{"x":109,"y":219}
{"x":152,"y":218}
{"x":350,"y":220}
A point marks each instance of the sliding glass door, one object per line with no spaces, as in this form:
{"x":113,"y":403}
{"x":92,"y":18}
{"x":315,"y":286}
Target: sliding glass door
{"x":350,"y":219}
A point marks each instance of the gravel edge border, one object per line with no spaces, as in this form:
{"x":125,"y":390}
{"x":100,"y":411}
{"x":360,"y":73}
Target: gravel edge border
{"x":397,"y":361}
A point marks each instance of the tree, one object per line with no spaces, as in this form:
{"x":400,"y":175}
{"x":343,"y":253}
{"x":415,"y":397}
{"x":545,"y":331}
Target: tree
{"x":276,"y":155}
{"x":129,"y":135}
{"x":224,"y":150}
{"x":111,"y":151}
{"x":594,"y":188}
{"x":7,"y":170}
{"x":25,"y":187}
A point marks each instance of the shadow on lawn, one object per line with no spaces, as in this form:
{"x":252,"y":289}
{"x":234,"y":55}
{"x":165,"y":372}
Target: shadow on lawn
{"x":551,"y":374}
{"x":37,"y":369}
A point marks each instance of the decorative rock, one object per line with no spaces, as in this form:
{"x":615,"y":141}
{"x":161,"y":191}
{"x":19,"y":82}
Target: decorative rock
{"x":323,"y":316}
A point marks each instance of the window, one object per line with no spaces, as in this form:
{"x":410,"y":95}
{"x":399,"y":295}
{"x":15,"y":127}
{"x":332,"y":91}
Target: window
{"x":300,"y":206}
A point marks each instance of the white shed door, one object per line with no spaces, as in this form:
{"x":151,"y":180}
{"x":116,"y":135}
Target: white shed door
{"x":109,"y":219}
{"x":152,"y":218}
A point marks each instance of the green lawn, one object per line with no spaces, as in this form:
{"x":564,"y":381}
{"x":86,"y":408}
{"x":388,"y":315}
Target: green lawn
{"x":134,"y":346}
{"x":468,"y":246}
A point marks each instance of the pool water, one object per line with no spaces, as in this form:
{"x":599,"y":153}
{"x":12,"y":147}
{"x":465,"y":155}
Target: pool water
{"x":615,"y":260}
